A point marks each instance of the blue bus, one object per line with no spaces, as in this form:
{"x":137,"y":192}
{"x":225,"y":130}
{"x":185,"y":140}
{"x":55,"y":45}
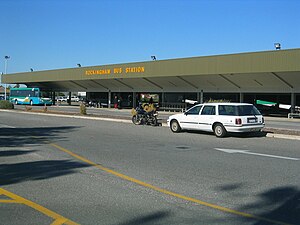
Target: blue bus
{"x":29,"y":96}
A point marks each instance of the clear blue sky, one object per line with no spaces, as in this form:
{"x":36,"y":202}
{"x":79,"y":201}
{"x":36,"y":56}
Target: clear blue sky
{"x":54,"y":34}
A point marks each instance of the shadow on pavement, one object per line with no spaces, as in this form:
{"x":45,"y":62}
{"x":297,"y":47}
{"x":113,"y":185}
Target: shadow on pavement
{"x":37,"y":170}
{"x":32,"y":170}
{"x":15,"y":137}
{"x":280,"y":204}
{"x":230,"y":135}
{"x":14,"y":153}
{"x":287,"y":201}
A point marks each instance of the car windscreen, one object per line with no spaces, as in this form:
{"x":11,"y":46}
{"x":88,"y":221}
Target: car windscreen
{"x":238,"y":110}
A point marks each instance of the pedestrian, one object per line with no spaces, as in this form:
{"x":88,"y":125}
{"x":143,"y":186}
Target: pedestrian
{"x":120,"y":102}
{"x":116,"y":102}
{"x":151,"y":101}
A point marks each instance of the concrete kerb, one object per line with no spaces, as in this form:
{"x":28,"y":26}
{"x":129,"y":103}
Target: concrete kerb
{"x":69,"y":116}
{"x":270,"y":135}
{"x":284,"y":136}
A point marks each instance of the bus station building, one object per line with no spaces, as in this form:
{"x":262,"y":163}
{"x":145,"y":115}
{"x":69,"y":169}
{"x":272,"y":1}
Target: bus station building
{"x":245,"y":77}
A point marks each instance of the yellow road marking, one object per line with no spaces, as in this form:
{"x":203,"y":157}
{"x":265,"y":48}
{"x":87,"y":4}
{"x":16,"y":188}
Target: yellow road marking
{"x":8,"y":201}
{"x":164,"y":191}
{"x":18,"y":199}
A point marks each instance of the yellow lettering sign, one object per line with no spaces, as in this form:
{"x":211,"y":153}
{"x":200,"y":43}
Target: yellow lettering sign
{"x":97,"y":72}
{"x":117,"y":70}
{"x":139,"y":69}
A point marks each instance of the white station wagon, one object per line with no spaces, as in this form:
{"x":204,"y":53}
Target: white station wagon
{"x":219,"y":118}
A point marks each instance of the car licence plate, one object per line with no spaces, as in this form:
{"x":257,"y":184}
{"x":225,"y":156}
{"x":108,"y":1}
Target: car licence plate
{"x":252,"y":120}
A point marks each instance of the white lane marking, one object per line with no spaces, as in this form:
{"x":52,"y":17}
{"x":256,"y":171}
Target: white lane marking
{"x":253,"y":153}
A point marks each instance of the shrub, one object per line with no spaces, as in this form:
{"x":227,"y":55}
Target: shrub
{"x":28,"y":108}
{"x":6,"y":105}
{"x":82,"y":109}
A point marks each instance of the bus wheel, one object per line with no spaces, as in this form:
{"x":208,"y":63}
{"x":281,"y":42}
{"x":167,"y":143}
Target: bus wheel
{"x":16,"y":102}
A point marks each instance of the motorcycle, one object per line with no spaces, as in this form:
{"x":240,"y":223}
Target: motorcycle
{"x":144,"y":114}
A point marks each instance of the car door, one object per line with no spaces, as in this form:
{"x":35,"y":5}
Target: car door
{"x":207,"y":117}
{"x":190,"y":118}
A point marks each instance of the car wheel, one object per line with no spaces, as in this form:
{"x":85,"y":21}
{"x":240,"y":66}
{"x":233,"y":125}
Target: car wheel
{"x":175,"y":127}
{"x":219,"y":130}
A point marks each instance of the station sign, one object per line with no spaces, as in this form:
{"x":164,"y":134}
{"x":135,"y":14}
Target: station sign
{"x":116,"y":70}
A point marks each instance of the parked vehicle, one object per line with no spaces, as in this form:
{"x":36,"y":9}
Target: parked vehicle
{"x":65,"y":99}
{"x":145,"y":114}
{"x":219,"y":118}
{"x":61,"y":99}
{"x":29,"y":96}
{"x":74,"y":99}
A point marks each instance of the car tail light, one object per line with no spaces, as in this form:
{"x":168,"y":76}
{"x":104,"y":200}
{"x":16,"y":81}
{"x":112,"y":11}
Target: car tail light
{"x":238,"y":121}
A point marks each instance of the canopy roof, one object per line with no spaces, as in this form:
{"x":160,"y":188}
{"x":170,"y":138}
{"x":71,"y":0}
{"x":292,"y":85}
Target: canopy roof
{"x":268,"y":71}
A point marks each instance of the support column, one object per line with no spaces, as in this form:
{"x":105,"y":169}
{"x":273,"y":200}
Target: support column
{"x":109,"y":99}
{"x":53,"y":98}
{"x":241,"y":97}
{"x":87,"y":96}
{"x":201,"y":97}
{"x":70,"y":96}
{"x":134,"y":100}
{"x":293,"y":102}
{"x":198,"y":97}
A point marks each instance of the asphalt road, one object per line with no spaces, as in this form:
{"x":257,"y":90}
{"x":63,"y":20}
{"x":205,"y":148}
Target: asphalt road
{"x":57,"y":170}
